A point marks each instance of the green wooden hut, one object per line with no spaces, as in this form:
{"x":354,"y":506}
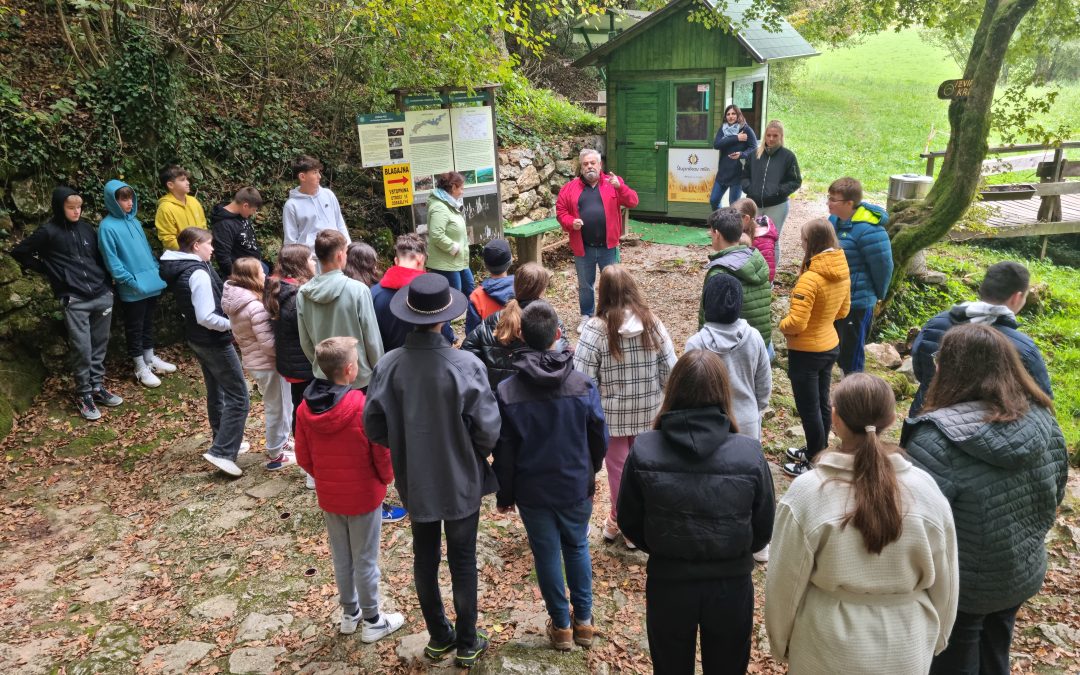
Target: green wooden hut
{"x":668,"y":82}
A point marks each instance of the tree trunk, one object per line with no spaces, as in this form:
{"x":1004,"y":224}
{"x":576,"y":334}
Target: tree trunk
{"x":917,"y":225}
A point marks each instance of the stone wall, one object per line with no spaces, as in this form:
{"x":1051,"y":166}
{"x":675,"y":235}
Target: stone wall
{"x":531,"y":177}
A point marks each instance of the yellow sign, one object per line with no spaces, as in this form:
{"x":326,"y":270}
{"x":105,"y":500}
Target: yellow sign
{"x":397,"y":184}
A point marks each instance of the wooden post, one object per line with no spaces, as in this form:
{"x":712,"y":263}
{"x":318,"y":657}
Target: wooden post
{"x":1050,"y":206}
{"x":1042,"y":252}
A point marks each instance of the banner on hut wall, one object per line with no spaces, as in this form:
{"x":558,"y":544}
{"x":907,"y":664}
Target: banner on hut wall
{"x":691,"y":172}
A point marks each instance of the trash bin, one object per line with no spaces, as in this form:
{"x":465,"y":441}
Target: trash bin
{"x":907,"y":186}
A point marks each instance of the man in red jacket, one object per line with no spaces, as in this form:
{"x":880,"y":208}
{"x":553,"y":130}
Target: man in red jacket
{"x":588,"y":209}
{"x":351,"y":474}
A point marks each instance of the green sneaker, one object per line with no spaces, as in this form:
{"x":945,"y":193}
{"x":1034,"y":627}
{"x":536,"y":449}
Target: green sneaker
{"x":436,"y":649}
{"x":466,"y":658}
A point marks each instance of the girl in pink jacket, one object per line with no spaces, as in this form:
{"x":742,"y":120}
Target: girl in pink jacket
{"x":759,"y":231}
{"x":241,"y":300}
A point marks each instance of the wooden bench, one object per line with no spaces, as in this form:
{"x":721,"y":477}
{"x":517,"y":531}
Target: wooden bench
{"x":529,"y":237}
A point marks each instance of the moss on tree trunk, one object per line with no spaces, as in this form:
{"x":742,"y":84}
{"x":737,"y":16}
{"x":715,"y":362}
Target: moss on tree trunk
{"x":921,"y":224}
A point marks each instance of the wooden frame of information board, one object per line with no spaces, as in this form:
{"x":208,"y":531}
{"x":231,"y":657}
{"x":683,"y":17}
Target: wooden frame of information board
{"x":420,"y":111}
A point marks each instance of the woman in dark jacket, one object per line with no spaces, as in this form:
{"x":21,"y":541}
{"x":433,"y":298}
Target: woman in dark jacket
{"x":736,"y":141}
{"x":697,"y":496}
{"x":294,"y":269}
{"x":988,"y":436}
{"x":496,"y":339}
{"x":771,"y":175}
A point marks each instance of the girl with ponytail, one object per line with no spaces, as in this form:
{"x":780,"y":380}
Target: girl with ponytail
{"x":496,"y":339}
{"x":864,"y":574}
{"x":294,"y":269}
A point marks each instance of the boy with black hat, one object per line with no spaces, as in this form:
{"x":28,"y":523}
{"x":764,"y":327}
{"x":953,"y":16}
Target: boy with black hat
{"x":494,"y":292}
{"x":65,"y":250}
{"x":740,"y":346}
{"x":553,"y":442}
{"x":432,"y":406}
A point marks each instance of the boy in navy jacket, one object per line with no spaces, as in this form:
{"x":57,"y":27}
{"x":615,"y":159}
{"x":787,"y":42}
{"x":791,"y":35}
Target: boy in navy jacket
{"x":552,"y":443}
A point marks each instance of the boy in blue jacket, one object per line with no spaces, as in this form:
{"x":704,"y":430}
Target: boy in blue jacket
{"x":133,"y":266}
{"x":860,"y":227}
{"x":552,"y":443}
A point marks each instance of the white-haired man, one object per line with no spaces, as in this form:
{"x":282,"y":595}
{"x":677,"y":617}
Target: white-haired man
{"x":588,"y":209}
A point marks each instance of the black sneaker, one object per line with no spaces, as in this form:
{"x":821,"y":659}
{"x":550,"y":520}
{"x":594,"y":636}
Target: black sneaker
{"x":797,"y":468}
{"x":436,"y":649}
{"x":105,"y":397}
{"x":796,"y":454}
{"x":86,"y":407}
{"x":467,"y":658}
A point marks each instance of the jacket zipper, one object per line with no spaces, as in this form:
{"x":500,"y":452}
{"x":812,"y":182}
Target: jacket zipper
{"x":763,"y":177}
{"x":75,"y":238}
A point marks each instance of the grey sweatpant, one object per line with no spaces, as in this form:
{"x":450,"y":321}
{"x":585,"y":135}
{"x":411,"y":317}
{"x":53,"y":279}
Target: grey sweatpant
{"x":354,"y":546}
{"x":88,"y":324}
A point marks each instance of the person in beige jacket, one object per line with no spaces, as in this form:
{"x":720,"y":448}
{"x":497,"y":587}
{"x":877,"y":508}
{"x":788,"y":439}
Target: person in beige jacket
{"x":864,"y":574}
{"x":242,"y":302}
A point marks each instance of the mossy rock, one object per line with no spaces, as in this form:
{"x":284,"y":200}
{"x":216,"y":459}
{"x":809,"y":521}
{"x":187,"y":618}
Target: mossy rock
{"x":16,"y":295}
{"x":902,"y":387}
{"x":9,"y":269}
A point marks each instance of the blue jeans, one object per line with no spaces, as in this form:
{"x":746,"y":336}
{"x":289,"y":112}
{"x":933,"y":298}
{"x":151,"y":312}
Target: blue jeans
{"x":734,"y":193}
{"x":556,"y":533}
{"x":586,"y":274}
{"x":461,"y":280}
{"x":226,"y":397}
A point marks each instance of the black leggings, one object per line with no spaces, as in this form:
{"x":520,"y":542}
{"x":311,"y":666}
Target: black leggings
{"x":811,"y":377}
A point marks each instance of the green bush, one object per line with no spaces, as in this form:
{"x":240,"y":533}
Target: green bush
{"x":528,"y":114}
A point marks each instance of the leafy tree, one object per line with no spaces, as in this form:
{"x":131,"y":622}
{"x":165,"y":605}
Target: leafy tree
{"x":988,"y":28}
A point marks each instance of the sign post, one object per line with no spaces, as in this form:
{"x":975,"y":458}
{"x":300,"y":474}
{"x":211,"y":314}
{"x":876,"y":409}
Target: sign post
{"x":397,"y":184}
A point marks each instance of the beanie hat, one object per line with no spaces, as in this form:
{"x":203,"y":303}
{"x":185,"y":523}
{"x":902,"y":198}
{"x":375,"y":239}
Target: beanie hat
{"x":722,"y":299}
{"x":497,"y":257}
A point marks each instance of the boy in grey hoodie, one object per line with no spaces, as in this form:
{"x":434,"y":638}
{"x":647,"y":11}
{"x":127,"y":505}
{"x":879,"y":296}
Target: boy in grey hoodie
{"x":742,"y":349}
{"x":333,"y":305}
{"x":310,"y":208}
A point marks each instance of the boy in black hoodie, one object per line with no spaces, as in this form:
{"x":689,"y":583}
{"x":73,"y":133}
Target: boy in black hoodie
{"x":552,"y":443}
{"x":65,"y":250}
{"x":234,"y":235}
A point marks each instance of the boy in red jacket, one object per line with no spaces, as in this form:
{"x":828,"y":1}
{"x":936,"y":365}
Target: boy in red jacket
{"x":351,"y":474}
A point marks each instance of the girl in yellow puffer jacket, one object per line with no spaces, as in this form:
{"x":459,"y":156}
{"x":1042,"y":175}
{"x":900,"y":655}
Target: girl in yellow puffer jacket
{"x":821,"y":296}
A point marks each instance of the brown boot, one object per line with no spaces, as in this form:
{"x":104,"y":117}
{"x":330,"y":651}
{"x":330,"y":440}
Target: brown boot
{"x":561,"y":638}
{"x":583,"y":632}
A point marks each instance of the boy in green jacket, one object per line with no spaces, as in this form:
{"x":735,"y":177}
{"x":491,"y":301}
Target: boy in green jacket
{"x":333,"y":305}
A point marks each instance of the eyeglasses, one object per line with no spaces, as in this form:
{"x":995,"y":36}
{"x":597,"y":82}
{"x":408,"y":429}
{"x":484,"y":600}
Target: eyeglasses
{"x":836,"y":200}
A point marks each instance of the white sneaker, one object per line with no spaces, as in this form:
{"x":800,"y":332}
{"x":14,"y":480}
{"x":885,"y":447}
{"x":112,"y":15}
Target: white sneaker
{"x":225,"y":465}
{"x":349,"y":623}
{"x":388,"y":623}
{"x":159,"y":366}
{"x":762,"y":556}
{"x":581,"y":324}
{"x":244,"y":447}
{"x":309,"y":481}
{"x":146,"y":378}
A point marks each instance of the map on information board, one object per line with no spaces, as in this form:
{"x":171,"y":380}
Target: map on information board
{"x":474,"y":144}
{"x":430,"y":149}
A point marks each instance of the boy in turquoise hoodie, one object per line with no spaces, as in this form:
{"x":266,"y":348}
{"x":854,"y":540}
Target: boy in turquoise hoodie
{"x":134,"y":268}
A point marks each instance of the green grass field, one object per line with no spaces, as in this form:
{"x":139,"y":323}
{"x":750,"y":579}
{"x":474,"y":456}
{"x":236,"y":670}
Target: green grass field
{"x":868,"y":111}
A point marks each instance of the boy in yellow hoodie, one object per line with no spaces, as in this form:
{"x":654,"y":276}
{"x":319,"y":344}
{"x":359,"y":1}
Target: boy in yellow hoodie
{"x":176,"y":210}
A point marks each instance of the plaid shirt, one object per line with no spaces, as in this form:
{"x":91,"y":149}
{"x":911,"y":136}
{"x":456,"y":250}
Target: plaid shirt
{"x":630,"y":389}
